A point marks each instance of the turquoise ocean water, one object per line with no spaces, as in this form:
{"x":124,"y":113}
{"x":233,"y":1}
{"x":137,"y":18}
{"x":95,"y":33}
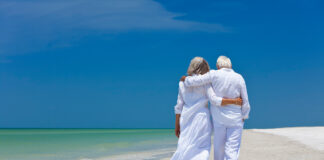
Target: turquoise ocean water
{"x":70,"y":144}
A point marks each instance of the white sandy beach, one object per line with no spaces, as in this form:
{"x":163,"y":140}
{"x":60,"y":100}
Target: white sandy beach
{"x":310,"y":136}
{"x":296,"y":143}
{"x":302,"y":143}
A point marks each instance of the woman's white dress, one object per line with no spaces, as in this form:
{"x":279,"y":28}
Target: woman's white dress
{"x":195,"y":123}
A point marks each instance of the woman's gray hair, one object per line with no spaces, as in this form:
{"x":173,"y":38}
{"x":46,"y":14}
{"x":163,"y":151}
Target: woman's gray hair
{"x":224,"y":62}
{"x":198,"y":65}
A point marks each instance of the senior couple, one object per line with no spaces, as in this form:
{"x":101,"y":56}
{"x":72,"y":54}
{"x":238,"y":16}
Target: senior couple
{"x":229,"y":107}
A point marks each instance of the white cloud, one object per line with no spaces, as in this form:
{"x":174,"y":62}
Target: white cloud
{"x":41,"y":21}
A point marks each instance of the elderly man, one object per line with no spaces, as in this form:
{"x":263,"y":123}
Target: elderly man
{"x":227,"y":120}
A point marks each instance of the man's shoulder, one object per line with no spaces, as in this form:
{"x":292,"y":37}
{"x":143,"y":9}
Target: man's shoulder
{"x":213,"y":71}
{"x":238,"y":75}
{"x":214,"y":74}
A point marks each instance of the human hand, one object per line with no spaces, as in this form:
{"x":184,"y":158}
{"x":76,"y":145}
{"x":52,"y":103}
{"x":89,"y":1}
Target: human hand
{"x":183,"y":78}
{"x":238,"y":101}
{"x":177,"y":130}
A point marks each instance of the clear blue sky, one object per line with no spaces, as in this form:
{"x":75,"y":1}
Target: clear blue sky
{"x":116,"y":63}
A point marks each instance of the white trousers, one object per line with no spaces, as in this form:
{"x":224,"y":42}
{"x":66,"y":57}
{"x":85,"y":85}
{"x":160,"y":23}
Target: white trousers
{"x":227,"y":141}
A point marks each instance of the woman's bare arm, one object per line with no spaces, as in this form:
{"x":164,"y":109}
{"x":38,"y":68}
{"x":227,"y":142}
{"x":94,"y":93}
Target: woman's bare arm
{"x":236,"y":101}
{"x":177,"y":125}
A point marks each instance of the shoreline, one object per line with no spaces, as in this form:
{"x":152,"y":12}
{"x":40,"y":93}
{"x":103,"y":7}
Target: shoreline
{"x":155,"y":154}
{"x":288,"y":143}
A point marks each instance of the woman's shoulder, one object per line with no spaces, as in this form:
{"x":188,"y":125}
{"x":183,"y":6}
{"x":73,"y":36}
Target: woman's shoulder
{"x":181,"y":85}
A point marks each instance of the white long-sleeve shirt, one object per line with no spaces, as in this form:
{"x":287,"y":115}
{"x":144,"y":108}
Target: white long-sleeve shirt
{"x":190,"y":99}
{"x":227,"y":84}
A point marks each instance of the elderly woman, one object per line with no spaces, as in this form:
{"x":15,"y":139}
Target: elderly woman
{"x":193,"y":123}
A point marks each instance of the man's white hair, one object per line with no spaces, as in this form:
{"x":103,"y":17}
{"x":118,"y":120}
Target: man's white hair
{"x":224,"y":62}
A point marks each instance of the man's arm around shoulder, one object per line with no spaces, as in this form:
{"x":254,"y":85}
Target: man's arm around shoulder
{"x":198,"y":80}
